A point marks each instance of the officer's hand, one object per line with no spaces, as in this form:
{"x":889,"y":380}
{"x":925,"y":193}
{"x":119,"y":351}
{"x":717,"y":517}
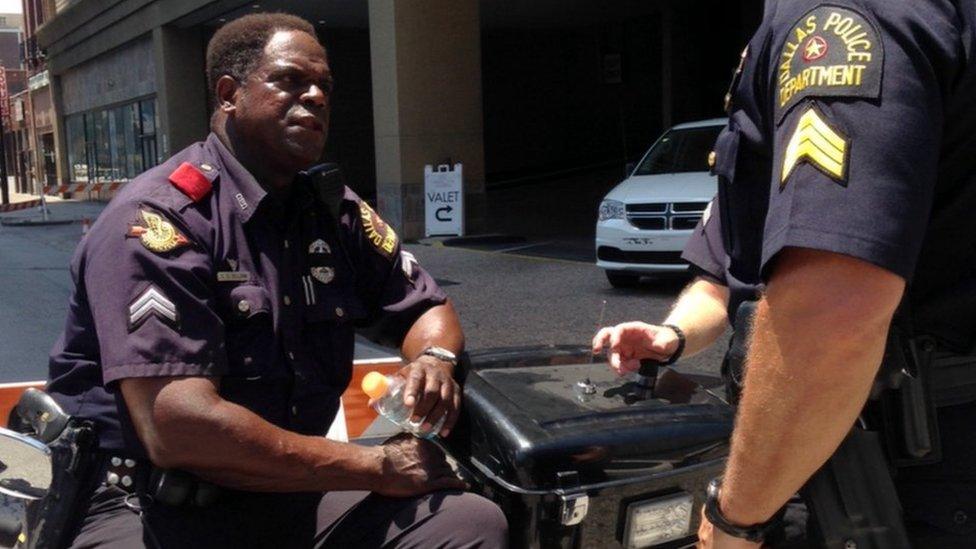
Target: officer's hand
{"x":710,"y":537}
{"x":629,"y":342}
{"x":414,"y":466}
{"x":432,"y":392}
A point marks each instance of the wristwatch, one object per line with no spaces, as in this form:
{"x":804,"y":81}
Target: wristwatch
{"x":755,"y":533}
{"x":441,"y":353}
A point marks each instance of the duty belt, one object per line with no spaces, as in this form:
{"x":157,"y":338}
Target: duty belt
{"x":952,"y":379}
{"x":167,"y":486}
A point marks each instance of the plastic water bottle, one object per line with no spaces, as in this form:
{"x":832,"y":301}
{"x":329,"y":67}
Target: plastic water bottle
{"x":387,"y":395}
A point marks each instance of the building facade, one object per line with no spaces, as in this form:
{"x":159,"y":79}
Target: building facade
{"x":514,"y":90}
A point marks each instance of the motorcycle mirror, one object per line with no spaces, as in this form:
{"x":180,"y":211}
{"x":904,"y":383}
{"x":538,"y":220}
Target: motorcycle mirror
{"x":25,"y":466}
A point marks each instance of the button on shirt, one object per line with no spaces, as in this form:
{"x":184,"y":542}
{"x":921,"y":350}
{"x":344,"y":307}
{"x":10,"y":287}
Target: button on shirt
{"x":262,"y":291}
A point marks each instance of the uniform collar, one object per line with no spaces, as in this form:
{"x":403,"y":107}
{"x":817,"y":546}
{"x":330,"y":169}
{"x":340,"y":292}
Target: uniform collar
{"x":242,"y":193}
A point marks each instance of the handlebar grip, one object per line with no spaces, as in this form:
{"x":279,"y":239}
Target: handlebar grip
{"x":649,"y":368}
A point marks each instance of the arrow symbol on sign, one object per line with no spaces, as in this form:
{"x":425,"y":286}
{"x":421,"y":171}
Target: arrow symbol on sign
{"x":446,"y":209}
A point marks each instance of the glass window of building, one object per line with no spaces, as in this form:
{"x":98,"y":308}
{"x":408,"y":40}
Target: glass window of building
{"x":114,"y":144}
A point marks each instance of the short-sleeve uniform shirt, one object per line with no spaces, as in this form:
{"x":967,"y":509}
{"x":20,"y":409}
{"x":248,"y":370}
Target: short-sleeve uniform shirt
{"x":852,"y":129}
{"x":195,"y":270}
{"x":706,"y":254}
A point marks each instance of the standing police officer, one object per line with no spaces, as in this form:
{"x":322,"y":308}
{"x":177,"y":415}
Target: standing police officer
{"x":847,"y":185}
{"x":211,"y":331}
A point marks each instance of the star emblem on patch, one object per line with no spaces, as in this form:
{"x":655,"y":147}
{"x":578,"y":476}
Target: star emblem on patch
{"x":815,"y":49}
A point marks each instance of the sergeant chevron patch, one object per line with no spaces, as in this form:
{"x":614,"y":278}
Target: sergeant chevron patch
{"x":152,"y":302}
{"x":817,"y":144}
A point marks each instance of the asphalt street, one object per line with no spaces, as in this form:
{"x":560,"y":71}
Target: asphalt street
{"x":537,"y":292}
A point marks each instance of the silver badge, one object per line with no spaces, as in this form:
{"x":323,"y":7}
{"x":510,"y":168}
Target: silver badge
{"x":319,"y":247}
{"x":323,"y":274}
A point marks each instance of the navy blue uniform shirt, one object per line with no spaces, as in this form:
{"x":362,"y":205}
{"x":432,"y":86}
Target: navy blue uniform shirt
{"x":706,"y":254}
{"x":853,"y":130}
{"x":194,"y":270}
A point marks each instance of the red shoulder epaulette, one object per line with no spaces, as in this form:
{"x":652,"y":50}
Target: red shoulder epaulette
{"x":191,"y":181}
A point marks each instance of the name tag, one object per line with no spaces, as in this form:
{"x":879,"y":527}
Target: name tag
{"x":233,"y":276}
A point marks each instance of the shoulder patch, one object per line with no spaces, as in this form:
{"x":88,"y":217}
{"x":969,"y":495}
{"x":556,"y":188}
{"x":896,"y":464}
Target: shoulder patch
{"x":380,"y":235}
{"x":191,"y":180}
{"x":156,"y":233}
{"x":815,"y":142}
{"x":830,"y":52}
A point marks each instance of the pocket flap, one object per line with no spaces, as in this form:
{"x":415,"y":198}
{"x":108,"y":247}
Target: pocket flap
{"x":248,"y":301}
{"x":726,"y":152}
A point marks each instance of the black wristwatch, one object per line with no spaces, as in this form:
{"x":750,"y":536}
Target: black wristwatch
{"x":756,"y":533}
{"x":681,"y":344}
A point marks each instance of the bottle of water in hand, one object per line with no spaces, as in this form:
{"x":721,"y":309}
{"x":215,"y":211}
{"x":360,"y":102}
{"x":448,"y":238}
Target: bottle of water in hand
{"x":387,"y":395}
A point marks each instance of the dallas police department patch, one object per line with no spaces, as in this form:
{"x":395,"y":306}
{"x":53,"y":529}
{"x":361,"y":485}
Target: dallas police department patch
{"x":157,"y":234}
{"x":381,"y":235}
{"x":815,"y":142}
{"x":830,"y":52}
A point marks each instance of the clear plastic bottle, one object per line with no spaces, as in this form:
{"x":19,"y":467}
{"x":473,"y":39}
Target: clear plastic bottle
{"x":387,"y":395}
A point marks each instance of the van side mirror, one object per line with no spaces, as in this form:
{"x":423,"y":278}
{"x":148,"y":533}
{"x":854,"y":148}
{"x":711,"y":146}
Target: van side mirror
{"x":25,"y":466}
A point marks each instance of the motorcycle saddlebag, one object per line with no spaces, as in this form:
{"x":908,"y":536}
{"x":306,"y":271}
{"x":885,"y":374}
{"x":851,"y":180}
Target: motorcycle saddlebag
{"x":578,"y":457}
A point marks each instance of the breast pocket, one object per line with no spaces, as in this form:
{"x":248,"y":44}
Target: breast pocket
{"x":331,"y":329}
{"x":250,"y":340}
{"x":743,"y":189}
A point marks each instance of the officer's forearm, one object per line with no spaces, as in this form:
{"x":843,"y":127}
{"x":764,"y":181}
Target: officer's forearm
{"x":815,"y":350}
{"x":700,"y":312}
{"x":184,"y":424}
{"x":438,"y":326}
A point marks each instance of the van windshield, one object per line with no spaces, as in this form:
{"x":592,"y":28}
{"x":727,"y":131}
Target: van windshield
{"x":680,"y":151}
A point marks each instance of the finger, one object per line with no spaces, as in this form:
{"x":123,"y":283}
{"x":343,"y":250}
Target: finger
{"x":600,"y":339}
{"x":615,"y":360}
{"x":428,"y":399}
{"x":449,"y":482}
{"x":435,"y":415}
{"x":452,"y":415}
{"x":615,"y":336}
{"x":415,"y":380}
{"x":629,"y":366}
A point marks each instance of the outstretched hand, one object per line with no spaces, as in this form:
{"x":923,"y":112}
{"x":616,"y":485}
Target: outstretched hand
{"x":629,"y":342}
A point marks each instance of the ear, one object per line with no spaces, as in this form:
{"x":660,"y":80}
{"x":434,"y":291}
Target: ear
{"x":227,"y":90}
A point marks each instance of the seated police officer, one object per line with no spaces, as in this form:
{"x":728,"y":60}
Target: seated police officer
{"x":211,"y":332}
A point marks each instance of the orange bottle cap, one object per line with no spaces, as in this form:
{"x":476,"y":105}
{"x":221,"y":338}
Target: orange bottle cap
{"x":375,"y":385}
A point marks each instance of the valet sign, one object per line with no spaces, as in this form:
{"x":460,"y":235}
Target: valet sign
{"x":443,"y":200}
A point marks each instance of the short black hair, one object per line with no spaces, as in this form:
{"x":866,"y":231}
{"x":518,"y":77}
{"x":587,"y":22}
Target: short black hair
{"x":237,"y":47}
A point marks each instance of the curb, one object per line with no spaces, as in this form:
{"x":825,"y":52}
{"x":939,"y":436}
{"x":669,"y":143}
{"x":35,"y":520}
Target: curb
{"x":474,"y":240}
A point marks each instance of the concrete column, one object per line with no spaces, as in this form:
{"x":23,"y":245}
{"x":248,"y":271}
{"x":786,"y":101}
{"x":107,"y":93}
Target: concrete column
{"x":60,"y":139}
{"x":181,"y":89}
{"x":427,"y":107}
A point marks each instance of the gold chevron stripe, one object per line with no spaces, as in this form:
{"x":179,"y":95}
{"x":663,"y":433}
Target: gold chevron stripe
{"x":816,"y":143}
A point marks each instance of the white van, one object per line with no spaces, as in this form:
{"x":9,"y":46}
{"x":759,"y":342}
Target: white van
{"x":645,"y":221}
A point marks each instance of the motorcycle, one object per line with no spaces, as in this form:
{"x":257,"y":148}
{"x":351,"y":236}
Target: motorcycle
{"x":574,"y":455}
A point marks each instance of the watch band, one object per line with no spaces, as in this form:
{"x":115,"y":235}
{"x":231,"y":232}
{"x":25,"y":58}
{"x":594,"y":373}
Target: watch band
{"x":755,"y":533}
{"x":681,"y":344}
{"x":441,"y":353}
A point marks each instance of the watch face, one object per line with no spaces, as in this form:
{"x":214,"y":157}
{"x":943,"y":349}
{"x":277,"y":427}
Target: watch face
{"x":442,"y":354}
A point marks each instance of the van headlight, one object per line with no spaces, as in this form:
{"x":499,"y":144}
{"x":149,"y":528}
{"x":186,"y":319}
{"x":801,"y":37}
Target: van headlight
{"x":611,"y":209}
